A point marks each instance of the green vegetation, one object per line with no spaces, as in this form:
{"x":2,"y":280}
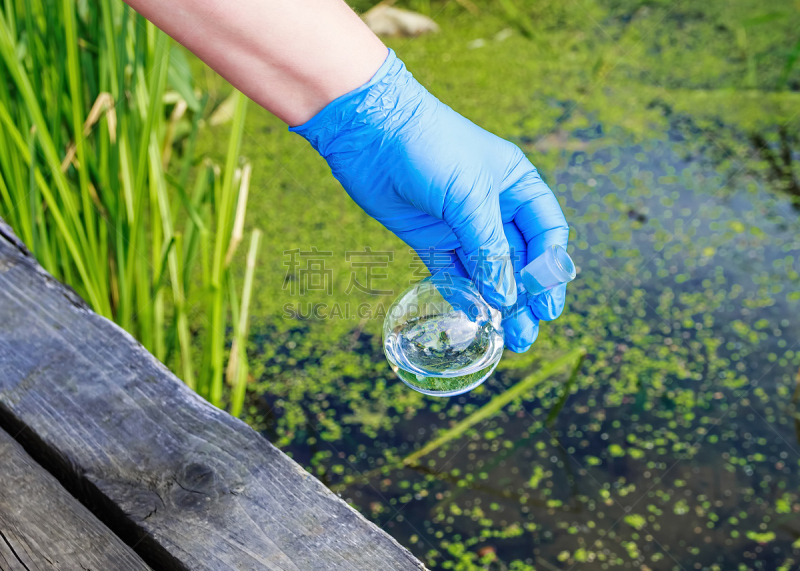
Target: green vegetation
{"x":637,"y":115}
{"x":668,"y":130}
{"x":443,"y":385}
{"x":100,"y":120}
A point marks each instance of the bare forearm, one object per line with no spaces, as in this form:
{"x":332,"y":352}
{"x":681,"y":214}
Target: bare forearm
{"x":292,"y":57}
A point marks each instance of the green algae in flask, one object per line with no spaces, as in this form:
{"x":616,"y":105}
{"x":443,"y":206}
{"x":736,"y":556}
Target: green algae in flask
{"x":442,"y":338}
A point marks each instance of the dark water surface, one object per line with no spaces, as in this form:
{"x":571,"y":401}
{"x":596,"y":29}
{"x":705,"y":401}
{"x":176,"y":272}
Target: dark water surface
{"x":677,"y":447}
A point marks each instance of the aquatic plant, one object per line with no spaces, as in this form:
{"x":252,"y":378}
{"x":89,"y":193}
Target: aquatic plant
{"x":99,"y":121}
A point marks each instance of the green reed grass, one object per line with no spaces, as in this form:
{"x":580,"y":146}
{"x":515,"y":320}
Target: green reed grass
{"x":99,"y":119}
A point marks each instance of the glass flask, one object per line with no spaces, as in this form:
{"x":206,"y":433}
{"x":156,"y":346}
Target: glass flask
{"x":442,"y":338}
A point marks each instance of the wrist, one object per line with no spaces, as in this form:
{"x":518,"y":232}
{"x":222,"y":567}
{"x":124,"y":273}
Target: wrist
{"x":319,"y":85}
{"x":366,"y":107}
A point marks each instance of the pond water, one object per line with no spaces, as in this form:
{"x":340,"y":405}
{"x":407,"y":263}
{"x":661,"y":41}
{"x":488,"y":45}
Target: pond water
{"x":676,"y":446}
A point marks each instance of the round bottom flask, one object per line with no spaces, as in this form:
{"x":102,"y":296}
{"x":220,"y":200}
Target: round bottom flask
{"x":442,"y":338}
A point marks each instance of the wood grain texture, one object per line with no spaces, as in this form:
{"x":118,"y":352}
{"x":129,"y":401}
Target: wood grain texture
{"x":42,"y":527}
{"x":187,"y":484}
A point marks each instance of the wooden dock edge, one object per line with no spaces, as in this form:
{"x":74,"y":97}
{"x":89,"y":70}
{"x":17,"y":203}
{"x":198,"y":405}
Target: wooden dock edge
{"x":43,"y":527}
{"x":186,"y":485}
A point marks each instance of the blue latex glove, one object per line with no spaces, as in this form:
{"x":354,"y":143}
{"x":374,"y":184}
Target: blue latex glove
{"x":439,"y":181}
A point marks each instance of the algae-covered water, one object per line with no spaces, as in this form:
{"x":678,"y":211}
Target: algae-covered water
{"x":668,"y":131}
{"x":676,"y":448}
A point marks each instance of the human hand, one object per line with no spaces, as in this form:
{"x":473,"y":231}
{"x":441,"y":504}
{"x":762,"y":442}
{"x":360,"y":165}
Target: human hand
{"x":439,"y":181}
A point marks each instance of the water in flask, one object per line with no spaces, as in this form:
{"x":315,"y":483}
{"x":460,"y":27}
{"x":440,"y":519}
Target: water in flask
{"x":442,"y":338}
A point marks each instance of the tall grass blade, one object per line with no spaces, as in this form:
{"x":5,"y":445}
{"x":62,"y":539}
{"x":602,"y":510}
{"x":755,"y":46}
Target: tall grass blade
{"x":241,"y":210}
{"x":224,"y":205}
{"x":69,"y":222}
{"x":240,"y":338}
{"x":566,"y":390}
{"x":497,"y":403}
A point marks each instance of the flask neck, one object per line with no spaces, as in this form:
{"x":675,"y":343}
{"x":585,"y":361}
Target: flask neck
{"x":550,"y":269}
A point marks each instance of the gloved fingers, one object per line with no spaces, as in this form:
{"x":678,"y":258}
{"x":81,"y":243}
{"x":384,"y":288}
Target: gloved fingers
{"x":443,"y":266}
{"x":521,"y":330}
{"x":433,"y":241}
{"x":533,"y":207}
{"x":548,"y":306}
{"x":517,"y":247}
{"x":442,"y":262}
{"x":478,"y":226}
{"x":419,"y":230}
{"x":542,"y":223}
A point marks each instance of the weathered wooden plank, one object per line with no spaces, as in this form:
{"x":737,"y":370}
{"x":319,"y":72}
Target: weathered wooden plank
{"x":187,"y":484}
{"x":42,"y":527}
